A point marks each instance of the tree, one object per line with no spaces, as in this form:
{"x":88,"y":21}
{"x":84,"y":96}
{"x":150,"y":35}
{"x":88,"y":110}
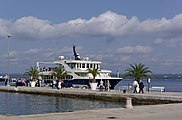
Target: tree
{"x":33,"y":72}
{"x":137,"y":71}
{"x":94,"y":73}
{"x":59,"y":73}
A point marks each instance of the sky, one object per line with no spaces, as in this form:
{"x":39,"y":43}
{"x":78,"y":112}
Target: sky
{"x":116,"y":32}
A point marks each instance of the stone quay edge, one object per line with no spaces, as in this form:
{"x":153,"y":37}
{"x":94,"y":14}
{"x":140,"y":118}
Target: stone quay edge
{"x":113,"y":95}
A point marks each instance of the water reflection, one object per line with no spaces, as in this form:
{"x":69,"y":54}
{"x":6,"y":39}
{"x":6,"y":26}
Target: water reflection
{"x":19,"y":104}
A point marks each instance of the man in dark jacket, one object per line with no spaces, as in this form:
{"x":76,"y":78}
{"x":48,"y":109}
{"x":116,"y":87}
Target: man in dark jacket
{"x":141,"y":86}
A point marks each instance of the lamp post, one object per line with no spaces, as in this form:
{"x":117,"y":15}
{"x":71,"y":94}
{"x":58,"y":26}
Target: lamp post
{"x":8,"y":36}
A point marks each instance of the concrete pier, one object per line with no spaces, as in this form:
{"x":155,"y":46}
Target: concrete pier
{"x":118,"y":96}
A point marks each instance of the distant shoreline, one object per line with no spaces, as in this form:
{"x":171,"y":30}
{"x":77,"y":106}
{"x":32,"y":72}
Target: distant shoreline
{"x":155,"y":76}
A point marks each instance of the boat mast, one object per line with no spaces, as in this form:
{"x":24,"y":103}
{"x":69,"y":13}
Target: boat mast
{"x":8,"y":70}
{"x":77,"y":56}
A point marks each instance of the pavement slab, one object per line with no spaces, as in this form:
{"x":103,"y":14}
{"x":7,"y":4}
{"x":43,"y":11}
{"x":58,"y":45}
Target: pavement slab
{"x":146,"y":112}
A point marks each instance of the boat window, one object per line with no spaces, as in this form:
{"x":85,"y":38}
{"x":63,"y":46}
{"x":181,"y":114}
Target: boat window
{"x":83,"y":74}
{"x":87,"y":65}
{"x":91,"y":66}
{"x":96,"y":66}
{"x":47,"y":77}
{"x":78,"y":65}
{"x":69,"y":77}
{"x":73,"y":65}
{"x":83,"y":65}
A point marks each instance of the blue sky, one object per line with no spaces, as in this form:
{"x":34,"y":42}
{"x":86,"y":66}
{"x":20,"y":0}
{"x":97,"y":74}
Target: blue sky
{"x":117,"y":32}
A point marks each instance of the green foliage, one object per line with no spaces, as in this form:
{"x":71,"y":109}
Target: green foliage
{"x":137,"y":71}
{"x":59,"y":73}
{"x":94,"y":73}
{"x":33,"y":72}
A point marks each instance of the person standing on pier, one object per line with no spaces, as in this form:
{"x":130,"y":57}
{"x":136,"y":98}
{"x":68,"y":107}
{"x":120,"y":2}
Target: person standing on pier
{"x":141,"y":86}
{"x":135,"y":86}
{"x":108,"y":85}
{"x":6,"y":81}
{"x":57,"y":84}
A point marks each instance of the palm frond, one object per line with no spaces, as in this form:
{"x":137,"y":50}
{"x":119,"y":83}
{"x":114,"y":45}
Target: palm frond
{"x":59,"y":73}
{"x":137,"y":71}
{"x":94,"y":73}
{"x":33,"y":72}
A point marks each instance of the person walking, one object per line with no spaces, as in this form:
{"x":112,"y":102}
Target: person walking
{"x":135,"y":85}
{"x":6,"y":82}
{"x":101,"y":86}
{"x":57,"y":84}
{"x":141,"y":86}
{"x":108,"y":85}
{"x":53,"y":84}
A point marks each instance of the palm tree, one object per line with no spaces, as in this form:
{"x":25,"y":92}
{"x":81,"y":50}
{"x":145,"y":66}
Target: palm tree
{"x":59,"y":73}
{"x":137,"y":71}
{"x":94,"y":73}
{"x":33,"y":72}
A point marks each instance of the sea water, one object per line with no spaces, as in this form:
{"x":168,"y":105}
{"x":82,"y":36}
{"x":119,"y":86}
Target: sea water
{"x":25,"y":104}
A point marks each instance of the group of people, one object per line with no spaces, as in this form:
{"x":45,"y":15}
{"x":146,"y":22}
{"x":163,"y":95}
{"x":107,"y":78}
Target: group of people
{"x":105,"y":87}
{"x":138,"y":86}
{"x":57,"y":84}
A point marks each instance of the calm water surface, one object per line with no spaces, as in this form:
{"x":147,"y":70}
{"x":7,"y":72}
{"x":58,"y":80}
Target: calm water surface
{"x":23,"y":104}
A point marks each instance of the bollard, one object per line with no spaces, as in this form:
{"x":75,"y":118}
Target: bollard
{"x":124,"y":91}
{"x":129,"y":103}
{"x":16,"y":89}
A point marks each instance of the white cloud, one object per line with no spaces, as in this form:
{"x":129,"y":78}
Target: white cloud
{"x":32,"y":51}
{"x":107,"y":24}
{"x":45,"y":54}
{"x":12,"y":56}
{"x":135,"y":49}
{"x":32,"y":27}
{"x":4,"y":27}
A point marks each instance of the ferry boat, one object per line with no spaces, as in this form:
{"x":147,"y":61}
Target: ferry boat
{"x":77,"y":70}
